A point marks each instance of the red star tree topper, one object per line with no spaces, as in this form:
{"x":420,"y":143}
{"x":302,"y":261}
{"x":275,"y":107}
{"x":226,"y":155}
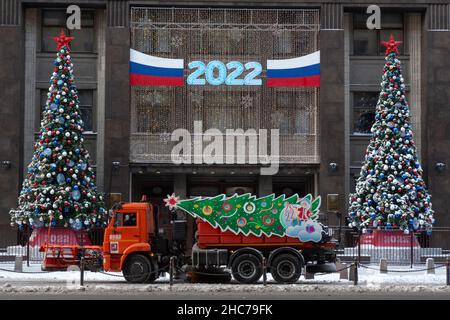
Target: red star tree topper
{"x":391,"y":45}
{"x":62,"y":40}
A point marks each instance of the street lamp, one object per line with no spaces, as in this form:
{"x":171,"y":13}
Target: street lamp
{"x":6,"y":164}
{"x":440,"y":166}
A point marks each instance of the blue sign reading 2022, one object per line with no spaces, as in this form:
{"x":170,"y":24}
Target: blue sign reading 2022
{"x":217,"y":73}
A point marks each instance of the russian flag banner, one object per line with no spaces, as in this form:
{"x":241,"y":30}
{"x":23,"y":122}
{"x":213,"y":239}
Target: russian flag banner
{"x":297,"y":72}
{"x":146,"y":70}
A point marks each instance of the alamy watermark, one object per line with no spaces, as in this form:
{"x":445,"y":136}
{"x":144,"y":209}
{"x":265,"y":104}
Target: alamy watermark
{"x":234,"y":146}
{"x":74,"y":20}
{"x":374,"y":20}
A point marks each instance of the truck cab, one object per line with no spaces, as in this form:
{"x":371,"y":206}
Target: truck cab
{"x":128,"y":241}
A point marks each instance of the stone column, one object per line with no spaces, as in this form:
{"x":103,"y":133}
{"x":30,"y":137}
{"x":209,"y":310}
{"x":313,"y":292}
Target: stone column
{"x":332,"y":102}
{"x":180,"y":189}
{"x":436,"y":111}
{"x":117,"y":98}
{"x":11,"y":111}
{"x":264,"y":186}
{"x":29,"y":121}
{"x":413,"y":41}
{"x":100,"y":161}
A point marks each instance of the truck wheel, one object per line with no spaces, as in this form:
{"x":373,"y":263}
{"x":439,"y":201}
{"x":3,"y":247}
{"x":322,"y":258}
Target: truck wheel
{"x":137,"y":269}
{"x":246,"y":268}
{"x":286,"y":268}
{"x":153,"y":274}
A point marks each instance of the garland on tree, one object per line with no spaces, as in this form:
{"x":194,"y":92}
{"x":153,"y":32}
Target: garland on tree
{"x":59,"y":188}
{"x":390,"y":191}
{"x":246,"y":214}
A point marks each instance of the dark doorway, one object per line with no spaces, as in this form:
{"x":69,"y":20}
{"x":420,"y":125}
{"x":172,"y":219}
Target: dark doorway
{"x":155,"y":188}
{"x":289,"y":185}
{"x":214,"y":185}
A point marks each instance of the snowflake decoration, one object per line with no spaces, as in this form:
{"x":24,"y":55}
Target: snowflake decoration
{"x":172,"y":201}
{"x":165,"y":137}
{"x":177,"y":41}
{"x":247,"y":101}
{"x":277,"y":117}
{"x":197,"y":99}
{"x":157,"y":99}
{"x":237,"y":35}
{"x":309,"y":108}
{"x":277,"y":32}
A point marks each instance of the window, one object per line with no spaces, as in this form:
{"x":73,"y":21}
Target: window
{"x":230,"y":110}
{"x":130,"y":219}
{"x":86,"y":105}
{"x":294,"y":113}
{"x":153,"y":110}
{"x":284,"y":42}
{"x":364,"y":105}
{"x":161,"y":41}
{"x":118,"y":220}
{"x":368,"y":42}
{"x":125,"y":219}
{"x":42,"y":102}
{"x":55,"y":20}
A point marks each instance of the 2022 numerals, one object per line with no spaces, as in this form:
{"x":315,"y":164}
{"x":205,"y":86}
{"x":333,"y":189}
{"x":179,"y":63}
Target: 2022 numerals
{"x":217,"y":73}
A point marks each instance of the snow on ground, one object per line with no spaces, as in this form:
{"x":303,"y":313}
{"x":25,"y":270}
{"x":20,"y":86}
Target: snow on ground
{"x":370,"y":280}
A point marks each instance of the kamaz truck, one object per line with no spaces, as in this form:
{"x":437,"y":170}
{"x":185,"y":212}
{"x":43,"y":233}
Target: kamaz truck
{"x":240,"y":236}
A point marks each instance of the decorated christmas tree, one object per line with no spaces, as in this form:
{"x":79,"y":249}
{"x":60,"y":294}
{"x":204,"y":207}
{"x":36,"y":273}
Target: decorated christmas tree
{"x":59,"y":187}
{"x":390,"y":191}
{"x":246,"y":214}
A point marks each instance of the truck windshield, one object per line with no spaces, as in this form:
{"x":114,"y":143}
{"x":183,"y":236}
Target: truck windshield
{"x":125,"y":219}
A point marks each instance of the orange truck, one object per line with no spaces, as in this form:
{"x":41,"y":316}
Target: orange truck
{"x":133,"y":245}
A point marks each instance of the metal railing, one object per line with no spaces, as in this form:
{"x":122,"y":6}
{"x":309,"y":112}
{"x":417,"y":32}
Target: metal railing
{"x":397,"y":247}
{"x":393,"y":245}
{"x":15,"y":242}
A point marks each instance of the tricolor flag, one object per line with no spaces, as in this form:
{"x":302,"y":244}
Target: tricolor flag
{"x":297,"y":72}
{"x":146,"y":70}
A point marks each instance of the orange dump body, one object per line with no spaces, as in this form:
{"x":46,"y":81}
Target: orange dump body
{"x":209,"y":237}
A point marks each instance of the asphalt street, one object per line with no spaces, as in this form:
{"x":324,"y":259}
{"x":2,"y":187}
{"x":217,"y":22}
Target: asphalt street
{"x":225,"y":296}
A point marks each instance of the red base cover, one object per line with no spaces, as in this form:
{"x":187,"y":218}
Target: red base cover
{"x":389,"y":238}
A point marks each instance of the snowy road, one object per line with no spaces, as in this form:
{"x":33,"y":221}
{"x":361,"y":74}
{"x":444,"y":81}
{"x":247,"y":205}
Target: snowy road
{"x":372,"y":285}
{"x":229,"y":296}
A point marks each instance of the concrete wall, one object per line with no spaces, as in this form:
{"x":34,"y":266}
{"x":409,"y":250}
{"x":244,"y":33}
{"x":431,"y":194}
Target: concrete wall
{"x":117,"y":99}
{"x":436,"y":117}
{"x":435,"y":93}
{"x":332,"y":103}
{"x":11,"y":108}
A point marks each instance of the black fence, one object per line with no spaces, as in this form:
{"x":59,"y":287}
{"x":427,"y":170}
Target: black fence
{"x":393,"y":245}
{"x":396,"y":246}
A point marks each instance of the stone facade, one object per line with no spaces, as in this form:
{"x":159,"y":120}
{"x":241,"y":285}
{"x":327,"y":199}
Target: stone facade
{"x":339,"y":72}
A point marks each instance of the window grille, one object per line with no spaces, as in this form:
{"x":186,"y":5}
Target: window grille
{"x":224,"y":34}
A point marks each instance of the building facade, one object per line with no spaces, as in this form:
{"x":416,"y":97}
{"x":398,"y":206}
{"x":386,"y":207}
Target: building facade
{"x":323,"y":131}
